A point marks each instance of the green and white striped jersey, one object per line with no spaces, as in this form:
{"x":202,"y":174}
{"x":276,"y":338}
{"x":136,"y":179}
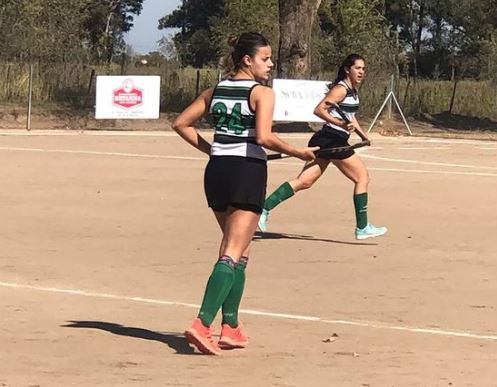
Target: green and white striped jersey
{"x":350,"y":105}
{"x":234,"y":120}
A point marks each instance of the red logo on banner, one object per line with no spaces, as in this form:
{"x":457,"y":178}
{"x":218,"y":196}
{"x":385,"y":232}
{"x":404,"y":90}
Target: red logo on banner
{"x":128,"y":96}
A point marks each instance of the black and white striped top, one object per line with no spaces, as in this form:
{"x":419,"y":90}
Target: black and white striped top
{"x":234,"y":120}
{"x":350,"y":105}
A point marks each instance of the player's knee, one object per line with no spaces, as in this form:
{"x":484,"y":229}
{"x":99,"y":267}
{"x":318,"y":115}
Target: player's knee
{"x":362,"y":180}
{"x":306,"y":184}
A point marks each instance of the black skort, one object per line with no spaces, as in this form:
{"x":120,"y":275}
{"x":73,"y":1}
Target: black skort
{"x":330,"y":138}
{"x":234,"y":181}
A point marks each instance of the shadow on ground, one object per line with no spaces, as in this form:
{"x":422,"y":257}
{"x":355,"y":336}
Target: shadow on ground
{"x":273,"y":235}
{"x":295,"y":127}
{"x":448,"y":121}
{"x":174,"y":340}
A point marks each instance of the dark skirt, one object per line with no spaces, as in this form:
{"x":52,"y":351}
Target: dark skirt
{"x":234,"y":181}
{"x":331,"y":138}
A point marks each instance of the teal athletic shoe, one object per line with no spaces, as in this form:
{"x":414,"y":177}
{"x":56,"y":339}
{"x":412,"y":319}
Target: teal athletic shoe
{"x":370,"y":231}
{"x":263,"y":221}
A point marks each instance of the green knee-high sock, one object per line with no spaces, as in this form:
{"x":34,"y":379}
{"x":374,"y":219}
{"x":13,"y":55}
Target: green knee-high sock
{"x":361,"y":209}
{"x":217,"y":289}
{"x":232,"y":302}
{"x":284,"y":191}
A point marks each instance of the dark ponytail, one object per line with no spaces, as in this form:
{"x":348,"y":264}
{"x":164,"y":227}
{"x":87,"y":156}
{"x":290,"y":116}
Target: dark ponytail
{"x":346,"y":65}
{"x":246,"y":44}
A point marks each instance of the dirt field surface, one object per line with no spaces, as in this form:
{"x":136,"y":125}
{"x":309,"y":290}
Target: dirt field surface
{"x":107,"y":244}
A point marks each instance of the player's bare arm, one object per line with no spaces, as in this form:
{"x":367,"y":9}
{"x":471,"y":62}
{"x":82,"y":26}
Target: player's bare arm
{"x":185,"y":123}
{"x":334,"y":96}
{"x":263,"y":103}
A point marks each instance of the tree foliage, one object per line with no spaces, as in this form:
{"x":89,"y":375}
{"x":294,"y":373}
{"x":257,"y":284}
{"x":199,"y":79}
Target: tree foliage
{"x":423,"y":38}
{"x":241,"y":15}
{"x":355,"y":26}
{"x":43,"y":30}
{"x":106,"y":24}
{"x":444,"y":38}
{"x":196,"y":42}
{"x":65,"y":30}
{"x":439,"y":39}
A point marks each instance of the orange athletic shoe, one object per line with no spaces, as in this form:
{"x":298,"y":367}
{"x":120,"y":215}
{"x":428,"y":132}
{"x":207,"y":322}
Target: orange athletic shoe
{"x":201,"y":337}
{"x":232,"y":338}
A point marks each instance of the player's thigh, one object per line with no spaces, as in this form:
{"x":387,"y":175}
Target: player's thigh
{"x":313,"y":170}
{"x":239,"y":229}
{"x":353,"y":167}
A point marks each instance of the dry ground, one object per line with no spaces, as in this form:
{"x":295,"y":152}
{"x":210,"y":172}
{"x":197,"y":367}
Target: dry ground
{"x":439,"y":125}
{"x":107,"y":243}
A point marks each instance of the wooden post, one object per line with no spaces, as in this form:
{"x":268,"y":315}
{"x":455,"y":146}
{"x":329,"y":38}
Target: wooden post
{"x":30,"y":96}
{"x":453,"y":96}
{"x":406,"y":94}
{"x":197,"y":84}
{"x":90,"y":86}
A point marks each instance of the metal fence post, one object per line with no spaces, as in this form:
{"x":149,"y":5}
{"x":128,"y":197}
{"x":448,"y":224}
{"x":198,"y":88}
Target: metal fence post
{"x":390,"y":100}
{"x":30,"y":96}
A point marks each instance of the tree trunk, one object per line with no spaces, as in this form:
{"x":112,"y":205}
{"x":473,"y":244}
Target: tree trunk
{"x":296,"y":18}
{"x":437,"y":45}
{"x":419,"y":33}
{"x":109,"y":46}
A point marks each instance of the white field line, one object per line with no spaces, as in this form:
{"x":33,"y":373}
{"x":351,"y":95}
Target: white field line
{"x":433,"y":172}
{"x":296,"y":163}
{"x":119,"y":133}
{"x":170,"y":133}
{"x":98,"y":153}
{"x":56,"y":132}
{"x":455,"y":141}
{"x":421,"y":171}
{"x":287,"y":316}
{"x":426,"y":162}
{"x":424,"y":148}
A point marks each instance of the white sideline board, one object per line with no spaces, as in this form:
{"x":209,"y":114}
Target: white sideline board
{"x":296,"y":99}
{"x":127,"y":97}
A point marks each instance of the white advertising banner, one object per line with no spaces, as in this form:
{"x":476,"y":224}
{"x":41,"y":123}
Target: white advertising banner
{"x":296,"y":99}
{"x":128,"y":97}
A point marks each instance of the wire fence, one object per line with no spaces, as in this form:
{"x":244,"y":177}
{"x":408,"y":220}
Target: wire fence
{"x":72,"y":87}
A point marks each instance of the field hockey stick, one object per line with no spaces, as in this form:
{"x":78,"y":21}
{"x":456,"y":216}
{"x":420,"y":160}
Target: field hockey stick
{"x":346,"y":119}
{"x":365,"y":141}
{"x":277,"y":156}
